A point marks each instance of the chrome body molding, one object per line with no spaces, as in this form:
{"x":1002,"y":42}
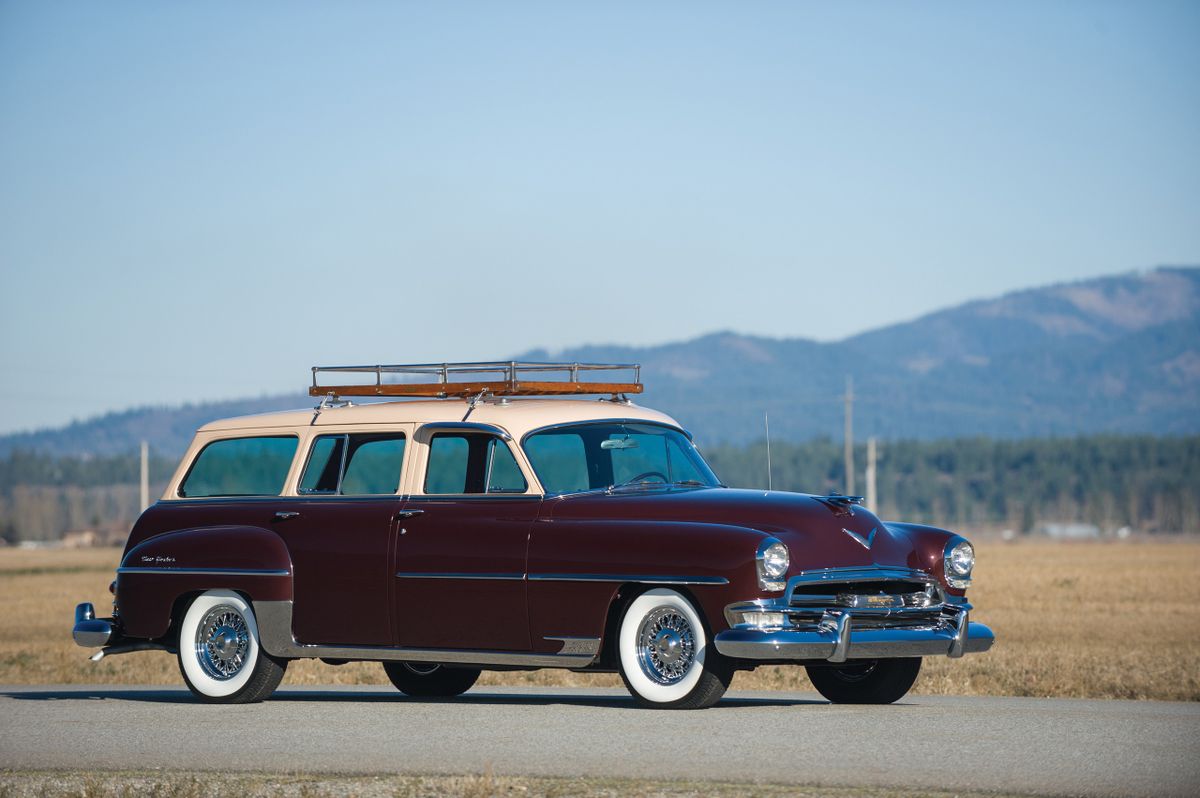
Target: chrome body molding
{"x":138,"y":569}
{"x":275,"y":632}
{"x":843,"y":643}
{"x":494,"y":577}
{"x":581,"y":646}
{"x":643,"y":579}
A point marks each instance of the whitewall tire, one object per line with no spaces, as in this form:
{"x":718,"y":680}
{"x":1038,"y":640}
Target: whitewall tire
{"x":664,"y":655}
{"x":219,"y":653}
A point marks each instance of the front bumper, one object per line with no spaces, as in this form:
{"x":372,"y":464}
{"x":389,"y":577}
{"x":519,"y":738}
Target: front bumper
{"x":844,"y":643}
{"x":838,"y":614}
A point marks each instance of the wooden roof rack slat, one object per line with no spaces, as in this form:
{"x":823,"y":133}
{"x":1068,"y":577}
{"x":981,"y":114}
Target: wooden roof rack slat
{"x":495,"y":378}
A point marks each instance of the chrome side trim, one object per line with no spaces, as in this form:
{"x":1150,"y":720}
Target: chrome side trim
{"x":650,"y":579}
{"x":275,"y":632}
{"x":494,"y":577}
{"x":138,"y":569}
{"x":581,"y":646}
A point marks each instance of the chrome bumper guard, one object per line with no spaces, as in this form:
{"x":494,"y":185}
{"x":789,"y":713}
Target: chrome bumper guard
{"x":838,"y":614}
{"x":90,"y":631}
{"x":93,"y":632}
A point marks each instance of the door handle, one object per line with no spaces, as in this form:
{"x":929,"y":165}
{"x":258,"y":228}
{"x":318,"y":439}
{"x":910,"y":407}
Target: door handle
{"x":401,"y":514}
{"x":284,"y":516}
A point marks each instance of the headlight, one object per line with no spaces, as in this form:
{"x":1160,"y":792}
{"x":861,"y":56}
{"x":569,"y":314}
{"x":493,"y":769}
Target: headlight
{"x":773,"y":561}
{"x":959,"y":560}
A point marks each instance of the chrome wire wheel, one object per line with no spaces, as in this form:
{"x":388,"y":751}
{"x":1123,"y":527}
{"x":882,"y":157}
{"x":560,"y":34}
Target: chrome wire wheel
{"x":666,"y":645}
{"x":222,"y":642}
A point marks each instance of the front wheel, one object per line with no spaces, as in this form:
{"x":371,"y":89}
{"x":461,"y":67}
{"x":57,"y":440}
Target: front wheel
{"x":665,"y":659}
{"x":430,"y":680}
{"x":876,"y":681}
{"x":219,"y":654}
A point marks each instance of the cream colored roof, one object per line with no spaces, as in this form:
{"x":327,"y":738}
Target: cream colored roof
{"x":515,"y":416}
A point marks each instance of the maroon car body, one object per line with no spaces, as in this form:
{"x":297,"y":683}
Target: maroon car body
{"x":512,"y":573}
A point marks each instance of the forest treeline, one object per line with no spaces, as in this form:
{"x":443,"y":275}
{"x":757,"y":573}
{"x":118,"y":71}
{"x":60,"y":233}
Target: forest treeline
{"x":1146,"y":483}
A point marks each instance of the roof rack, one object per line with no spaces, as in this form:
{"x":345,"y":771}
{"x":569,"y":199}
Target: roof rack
{"x":496,"y":378}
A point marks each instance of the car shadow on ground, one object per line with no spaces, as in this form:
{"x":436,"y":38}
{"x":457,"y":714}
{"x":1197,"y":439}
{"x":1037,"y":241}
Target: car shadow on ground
{"x":482,"y":698}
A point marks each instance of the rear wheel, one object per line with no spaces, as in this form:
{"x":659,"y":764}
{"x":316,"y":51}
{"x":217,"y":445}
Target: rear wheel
{"x":876,"y":681}
{"x":219,"y":654}
{"x":665,"y":659}
{"x":428,"y":680}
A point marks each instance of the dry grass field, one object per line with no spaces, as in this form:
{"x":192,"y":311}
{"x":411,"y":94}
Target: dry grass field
{"x":1086,"y":620}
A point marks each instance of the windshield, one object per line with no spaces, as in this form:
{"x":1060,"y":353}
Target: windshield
{"x":614,"y":455}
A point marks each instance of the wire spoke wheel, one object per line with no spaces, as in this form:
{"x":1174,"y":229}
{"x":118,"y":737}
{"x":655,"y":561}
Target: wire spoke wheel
{"x":222,"y":642}
{"x":666,"y":645}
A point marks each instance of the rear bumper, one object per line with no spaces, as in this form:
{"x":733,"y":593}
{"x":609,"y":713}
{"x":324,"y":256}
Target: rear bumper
{"x":844,"y":642}
{"x":90,"y":631}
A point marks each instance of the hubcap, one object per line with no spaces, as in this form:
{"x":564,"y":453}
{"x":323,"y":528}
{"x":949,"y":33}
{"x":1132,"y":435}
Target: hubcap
{"x":666,"y":645}
{"x":222,"y":642}
{"x":421,"y":670}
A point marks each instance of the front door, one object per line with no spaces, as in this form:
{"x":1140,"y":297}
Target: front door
{"x":461,"y":547}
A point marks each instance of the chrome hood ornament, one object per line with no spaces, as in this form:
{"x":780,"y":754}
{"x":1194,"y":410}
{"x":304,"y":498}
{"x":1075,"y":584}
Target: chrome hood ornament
{"x":867,"y":541}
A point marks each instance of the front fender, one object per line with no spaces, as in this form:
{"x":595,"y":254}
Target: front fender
{"x":577,"y":566}
{"x":929,"y":547}
{"x":155,"y":573}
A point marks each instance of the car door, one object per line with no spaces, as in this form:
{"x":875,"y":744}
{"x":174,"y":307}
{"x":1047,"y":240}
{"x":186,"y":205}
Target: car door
{"x":340,"y":532}
{"x":462,"y":543}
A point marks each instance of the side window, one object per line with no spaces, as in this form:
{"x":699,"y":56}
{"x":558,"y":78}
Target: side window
{"x":471,"y":463}
{"x":240,"y":467}
{"x":561,"y":461}
{"x":373,"y":465}
{"x":354,"y":465}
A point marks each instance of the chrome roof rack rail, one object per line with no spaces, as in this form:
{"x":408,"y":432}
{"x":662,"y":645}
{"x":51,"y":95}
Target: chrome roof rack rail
{"x":485,"y":378}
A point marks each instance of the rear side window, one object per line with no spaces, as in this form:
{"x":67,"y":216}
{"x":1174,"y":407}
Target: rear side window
{"x":471,"y":463}
{"x":240,"y":467}
{"x":353,"y":465}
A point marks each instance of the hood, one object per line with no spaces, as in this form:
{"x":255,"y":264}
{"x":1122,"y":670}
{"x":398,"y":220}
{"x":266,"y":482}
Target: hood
{"x":818,"y":534}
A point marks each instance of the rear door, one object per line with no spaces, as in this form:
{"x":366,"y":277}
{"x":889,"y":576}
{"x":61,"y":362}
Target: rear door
{"x":340,"y":532}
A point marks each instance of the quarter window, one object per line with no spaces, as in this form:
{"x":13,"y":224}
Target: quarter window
{"x":353,"y":465}
{"x":471,"y":463}
{"x":240,"y":467}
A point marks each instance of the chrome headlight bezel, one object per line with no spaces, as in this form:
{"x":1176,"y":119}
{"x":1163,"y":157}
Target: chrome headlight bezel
{"x":958,"y":563}
{"x":772,"y":561}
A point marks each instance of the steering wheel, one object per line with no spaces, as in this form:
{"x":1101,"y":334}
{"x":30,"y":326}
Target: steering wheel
{"x":646,"y":474}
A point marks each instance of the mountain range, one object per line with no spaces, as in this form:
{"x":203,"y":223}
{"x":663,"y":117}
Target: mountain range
{"x":1117,"y":354}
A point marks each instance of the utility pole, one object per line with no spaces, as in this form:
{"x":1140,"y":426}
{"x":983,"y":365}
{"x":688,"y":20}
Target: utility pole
{"x":849,"y":435}
{"x":872,"y":498}
{"x":145,"y":494}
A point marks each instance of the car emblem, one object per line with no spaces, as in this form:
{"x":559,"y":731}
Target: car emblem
{"x":866,"y":542}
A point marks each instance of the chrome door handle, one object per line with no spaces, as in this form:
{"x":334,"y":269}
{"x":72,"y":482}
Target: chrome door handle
{"x":283,"y":516}
{"x":400,"y":514}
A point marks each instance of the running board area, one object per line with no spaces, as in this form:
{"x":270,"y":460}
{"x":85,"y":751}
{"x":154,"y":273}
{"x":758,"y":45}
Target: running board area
{"x":275,"y":635}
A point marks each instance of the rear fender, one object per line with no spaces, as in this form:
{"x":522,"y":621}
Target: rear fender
{"x":155,"y":573}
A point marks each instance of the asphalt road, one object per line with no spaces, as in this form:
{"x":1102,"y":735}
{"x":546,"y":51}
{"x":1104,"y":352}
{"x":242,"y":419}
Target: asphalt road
{"x":1015,"y":744}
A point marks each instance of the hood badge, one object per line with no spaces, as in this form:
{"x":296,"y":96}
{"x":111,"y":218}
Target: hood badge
{"x":867,"y":541}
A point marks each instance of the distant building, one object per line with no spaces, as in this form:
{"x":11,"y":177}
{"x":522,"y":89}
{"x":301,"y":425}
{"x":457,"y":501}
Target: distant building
{"x":1073,"y":531}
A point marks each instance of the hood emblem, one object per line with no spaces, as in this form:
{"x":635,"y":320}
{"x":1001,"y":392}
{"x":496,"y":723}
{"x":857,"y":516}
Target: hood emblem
{"x":867,"y":541}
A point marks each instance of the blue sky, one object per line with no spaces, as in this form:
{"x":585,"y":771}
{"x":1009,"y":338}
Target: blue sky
{"x":199,"y":201}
